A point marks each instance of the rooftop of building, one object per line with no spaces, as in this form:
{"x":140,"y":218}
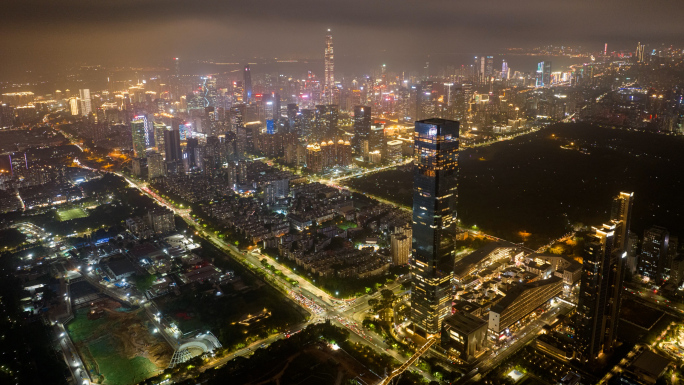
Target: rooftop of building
{"x":464,"y":322}
{"x":463,"y":265}
{"x":651,"y":363}
{"x":515,"y":292}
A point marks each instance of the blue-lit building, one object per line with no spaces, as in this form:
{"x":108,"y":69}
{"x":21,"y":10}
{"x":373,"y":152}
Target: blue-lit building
{"x":543,"y":76}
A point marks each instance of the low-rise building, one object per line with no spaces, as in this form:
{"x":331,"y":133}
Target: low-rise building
{"x":522,"y":300}
{"x":463,"y":335}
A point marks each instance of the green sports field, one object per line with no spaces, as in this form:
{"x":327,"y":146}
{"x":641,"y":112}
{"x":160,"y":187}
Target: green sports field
{"x":72,"y":213}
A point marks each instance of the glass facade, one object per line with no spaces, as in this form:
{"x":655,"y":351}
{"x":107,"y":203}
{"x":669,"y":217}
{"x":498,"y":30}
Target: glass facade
{"x":435,"y":193}
{"x":602,"y":280}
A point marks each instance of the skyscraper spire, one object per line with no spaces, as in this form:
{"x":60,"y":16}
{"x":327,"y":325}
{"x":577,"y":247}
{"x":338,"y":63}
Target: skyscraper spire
{"x":329,"y":68}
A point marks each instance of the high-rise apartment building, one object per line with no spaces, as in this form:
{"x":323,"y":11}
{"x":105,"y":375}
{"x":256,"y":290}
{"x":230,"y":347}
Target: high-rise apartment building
{"x":601,"y":284}
{"x":326,"y":122}
{"x":155,"y":166}
{"x":329,"y":81}
{"x":435,"y":194}
{"x":161,"y":220}
{"x":74,"y":106}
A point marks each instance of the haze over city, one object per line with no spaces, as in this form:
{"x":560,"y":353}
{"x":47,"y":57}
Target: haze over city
{"x":341,"y":192}
{"x":44,"y":34}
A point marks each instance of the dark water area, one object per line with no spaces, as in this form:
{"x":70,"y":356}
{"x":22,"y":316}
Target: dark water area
{"x":351,"y":65}
{"x":532,"y":184}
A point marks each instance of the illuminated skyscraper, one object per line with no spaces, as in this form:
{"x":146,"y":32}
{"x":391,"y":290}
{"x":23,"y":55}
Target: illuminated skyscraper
{"x":640,"y":52}
{"x":505,"y":71}
{"x":247,"y":75}
{"x":74,"y":106}
{"x":602,"y":280}
{"x":489,"y":68}
{"x":362,"y":130}
{"x":329,"y":68}
{"x":86,"y":108}
{"x":543,"y":76}
{"x":140,"y":135}
{"x":435,"y":184}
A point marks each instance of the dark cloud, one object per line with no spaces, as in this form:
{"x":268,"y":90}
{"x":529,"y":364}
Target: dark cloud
{"x":147,"y":29}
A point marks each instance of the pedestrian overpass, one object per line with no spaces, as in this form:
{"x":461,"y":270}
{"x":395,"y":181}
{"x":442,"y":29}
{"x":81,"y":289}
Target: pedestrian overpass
{"x":410,"y":361}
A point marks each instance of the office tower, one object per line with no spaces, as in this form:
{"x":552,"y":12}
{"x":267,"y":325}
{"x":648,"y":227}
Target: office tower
{"x":208,"y":94}
{"x":632,"y":257}
{"x":159,"y":130}
{"x":247,"y":77}
{"x":292,"y":112}
{"x":640,"y":52}
{"x":489,"y":69}
{"x":543,"y":76}
{"x":654,"y":250}
{"x":620,"y":214}
{"x":329,"y":82}
{"x":435,"y":184}
{"x":601,"y":282}
{"x":191,"y":144}
{"x":172,"y":147}
{"x":362,"y":130}
{"x":505,"y":71}
{"x":86,"y":108}
{"x":140,"y":135}
{"x":237,"y":116}
{"x":605,"y":50}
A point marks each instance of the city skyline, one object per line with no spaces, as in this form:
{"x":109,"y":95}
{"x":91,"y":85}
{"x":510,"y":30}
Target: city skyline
{"x":241,"y":31}
{"x":208,"y":192}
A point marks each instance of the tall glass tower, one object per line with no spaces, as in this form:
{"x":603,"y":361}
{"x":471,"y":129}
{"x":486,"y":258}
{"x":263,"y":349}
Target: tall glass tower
{"x":140,"y":135}
{"x":435,"y":184}
{"x":329,"y":68}
{"x":601,"y":283}
{"x":247,"y":77}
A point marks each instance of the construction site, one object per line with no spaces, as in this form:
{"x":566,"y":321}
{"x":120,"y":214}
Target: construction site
{"x":119,"y":346}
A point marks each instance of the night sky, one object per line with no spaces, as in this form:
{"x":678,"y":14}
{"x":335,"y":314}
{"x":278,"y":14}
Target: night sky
{"x":66,"y":32}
